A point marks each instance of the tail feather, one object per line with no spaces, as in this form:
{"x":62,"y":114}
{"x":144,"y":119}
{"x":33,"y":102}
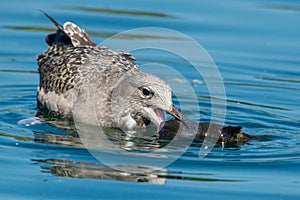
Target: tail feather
{"x":69,"y":34}
{"x":77,"y":35}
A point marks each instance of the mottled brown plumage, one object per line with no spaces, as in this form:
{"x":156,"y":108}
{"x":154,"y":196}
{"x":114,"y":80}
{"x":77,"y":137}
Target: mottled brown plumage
{"x":74,"y":67}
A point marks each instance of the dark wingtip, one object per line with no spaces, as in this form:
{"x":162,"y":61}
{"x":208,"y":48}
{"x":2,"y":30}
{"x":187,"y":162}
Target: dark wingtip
{"x":60,"y":36}
{"x":52,"y":20}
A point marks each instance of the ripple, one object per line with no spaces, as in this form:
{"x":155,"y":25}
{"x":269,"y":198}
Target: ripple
{"x":119,"y":12}
{"x":100,"y":34}
{"x":284,"y":7}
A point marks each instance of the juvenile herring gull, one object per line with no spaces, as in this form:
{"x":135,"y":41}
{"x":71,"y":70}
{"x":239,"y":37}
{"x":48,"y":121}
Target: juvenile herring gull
{"x":73,"y":60}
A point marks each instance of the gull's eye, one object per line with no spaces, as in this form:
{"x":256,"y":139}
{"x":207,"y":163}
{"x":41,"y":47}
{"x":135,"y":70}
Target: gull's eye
{"x":146,"y":92}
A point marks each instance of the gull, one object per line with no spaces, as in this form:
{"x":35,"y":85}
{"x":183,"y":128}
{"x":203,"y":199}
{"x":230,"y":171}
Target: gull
{"x":74,"y":66}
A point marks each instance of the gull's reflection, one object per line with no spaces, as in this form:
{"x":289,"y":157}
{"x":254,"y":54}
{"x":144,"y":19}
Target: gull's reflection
{"x":75,"y":169}
{"x":88,"y":170}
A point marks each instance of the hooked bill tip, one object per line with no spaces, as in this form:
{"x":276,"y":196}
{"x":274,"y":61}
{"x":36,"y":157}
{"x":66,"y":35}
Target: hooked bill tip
{"x":174,"y":112}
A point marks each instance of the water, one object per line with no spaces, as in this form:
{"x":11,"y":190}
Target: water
{"x":255,"y":45}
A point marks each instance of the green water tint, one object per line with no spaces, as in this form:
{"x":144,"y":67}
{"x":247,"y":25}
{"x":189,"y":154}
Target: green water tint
{"x":118,"y":12}
{"x":100,"y":34}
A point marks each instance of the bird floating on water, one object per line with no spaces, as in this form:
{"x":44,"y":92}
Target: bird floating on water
{"x":73,"y":60}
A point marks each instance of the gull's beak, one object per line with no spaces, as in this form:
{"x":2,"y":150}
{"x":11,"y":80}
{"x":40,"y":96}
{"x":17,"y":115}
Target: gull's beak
{"x":157,"y":115}
{"x":174,"y":112}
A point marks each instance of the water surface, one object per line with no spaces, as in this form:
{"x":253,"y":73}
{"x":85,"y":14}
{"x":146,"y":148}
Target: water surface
{"x":255,"y":45}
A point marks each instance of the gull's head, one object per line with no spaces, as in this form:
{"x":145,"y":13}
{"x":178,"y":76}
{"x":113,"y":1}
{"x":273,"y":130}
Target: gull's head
{"x":148,"y":99}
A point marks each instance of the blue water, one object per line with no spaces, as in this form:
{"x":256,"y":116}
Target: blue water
{"x":256,"y":47}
